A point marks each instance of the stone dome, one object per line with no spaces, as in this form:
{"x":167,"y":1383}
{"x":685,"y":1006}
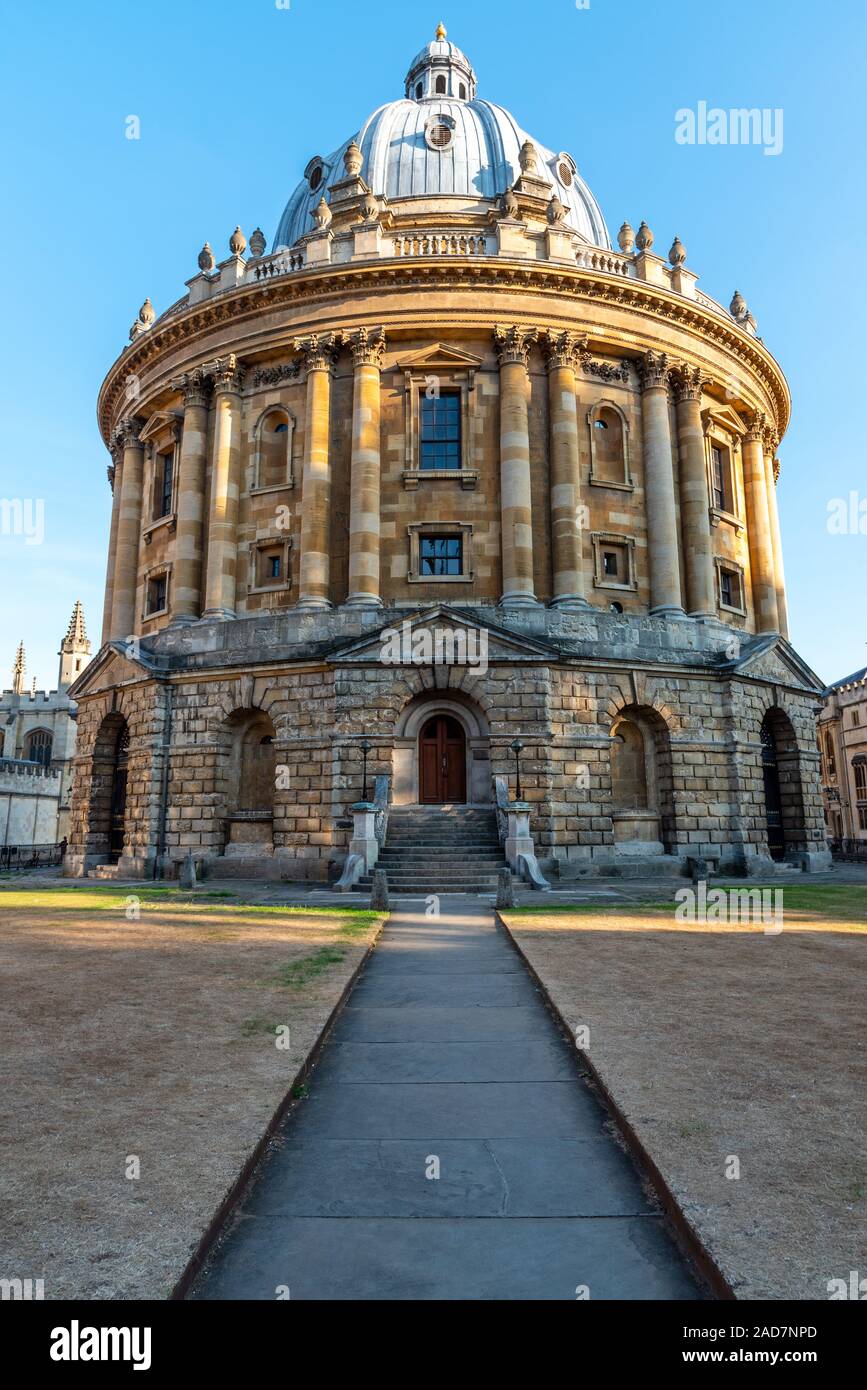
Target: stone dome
{"x":441,"y":141}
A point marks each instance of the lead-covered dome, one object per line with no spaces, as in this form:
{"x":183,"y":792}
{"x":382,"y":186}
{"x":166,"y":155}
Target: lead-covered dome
{"x":442,"y":141}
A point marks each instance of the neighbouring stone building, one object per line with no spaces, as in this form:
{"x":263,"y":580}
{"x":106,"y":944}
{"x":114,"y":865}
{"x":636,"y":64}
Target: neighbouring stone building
{"x":38,"y":745}
{"x":842,"y":733}
{"x":443,"y":471}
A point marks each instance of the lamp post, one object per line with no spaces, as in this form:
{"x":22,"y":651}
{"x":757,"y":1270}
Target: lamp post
{"x":365,"y":747}
{"x":517,"y":748}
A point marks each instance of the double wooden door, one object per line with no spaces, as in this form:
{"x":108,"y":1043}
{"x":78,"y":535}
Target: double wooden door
{"x":442,"y":761}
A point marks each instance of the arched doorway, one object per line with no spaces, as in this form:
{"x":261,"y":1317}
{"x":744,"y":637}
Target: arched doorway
{"x":785,"y":825}
{"x":442,"y":761}
{"x":642,"y":782}
{"x":117,"y":813}
{"x":249,"y":782}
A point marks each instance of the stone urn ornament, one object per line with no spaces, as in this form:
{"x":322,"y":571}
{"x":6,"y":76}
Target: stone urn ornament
{"x":370,"y":209}
{"x":258,"y":243}
{"x":738,"y":306}
{"x":644,"y":240}
{"x":352,"y":160}
{"x":529,"y":159}
{"x":322,"y":214}
{"x":145,"y":318}
{"x":556,"y":212}
{"x":677,"y":254}
{"x":626,"y":238}
{"x":207,"y":260}
{"x":237,"y":242}
{"x":510,"y":204}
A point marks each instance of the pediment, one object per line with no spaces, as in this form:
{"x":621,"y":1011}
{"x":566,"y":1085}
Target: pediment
{"x":441,"y":636}
{"x":162,"y":422}
{"x":726,"y":418}
{"x":439,"y":355}
{"x":114,"y":664}
{"x":775,"y":659}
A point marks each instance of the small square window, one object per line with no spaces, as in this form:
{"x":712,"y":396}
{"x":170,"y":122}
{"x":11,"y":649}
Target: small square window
{"x":270,"y":568}
{"x":157,"y":592}
{"x":441,"y":555}
{"x":440,"y":444}
{"x":730,"y":589}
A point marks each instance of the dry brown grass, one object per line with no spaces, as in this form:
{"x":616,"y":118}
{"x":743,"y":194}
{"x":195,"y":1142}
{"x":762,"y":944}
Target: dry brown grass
{"x":153,"y":1038}
{"x":722,"y":1040}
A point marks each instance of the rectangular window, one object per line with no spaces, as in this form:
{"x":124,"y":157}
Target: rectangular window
{"x":719,"y":461}
{"x":730,"y":589}
{"x":440,"y":445}
{"x":441,"y":555}
{"x":856,"y":718}
{"x":861,"y":781}
{"x":609,"y":563}
{"x":269,"y":568}
{"x":163,"y":485}
{"x":157,"y":591}
{"x":862,"y":817}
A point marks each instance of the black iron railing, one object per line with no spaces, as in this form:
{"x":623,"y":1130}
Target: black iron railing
{"x":30,"y":857}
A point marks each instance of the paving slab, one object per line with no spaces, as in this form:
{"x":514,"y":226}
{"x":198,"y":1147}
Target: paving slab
{"x":448,"y":1147}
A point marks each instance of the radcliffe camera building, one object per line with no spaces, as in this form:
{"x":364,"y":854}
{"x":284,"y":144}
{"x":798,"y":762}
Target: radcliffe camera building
{"x":445,"y":402}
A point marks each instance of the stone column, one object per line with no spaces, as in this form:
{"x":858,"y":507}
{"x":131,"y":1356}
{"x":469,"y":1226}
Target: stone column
{"x":128,"y":534}
{"x":221,"y":578}
{"x":367,"y":349}
{"x":115,"y":478}
{"x":772,"y":474}
{"x":562,"y":353}
{"x":764,"y":584}
{"x":662,"y":540}
{"x":694,"y":496}
{"x":516,"y":509}
{"x":192,"y":475}
{"x":315,"y":559}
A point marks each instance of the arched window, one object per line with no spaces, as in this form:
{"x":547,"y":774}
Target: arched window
{"x":642,"y":780}
{"x":462,"y":92}
{"x":418,"y":91}
{"x":39,"y":745}
{"x":859,"y":766}
{"x":609,"y":446}
{"x":274,"y":454}
{"x":830,"y":760}
{"x":441,"y":86}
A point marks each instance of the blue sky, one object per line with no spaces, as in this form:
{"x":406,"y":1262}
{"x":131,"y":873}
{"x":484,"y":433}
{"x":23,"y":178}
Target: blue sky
{"x":234,"y":99}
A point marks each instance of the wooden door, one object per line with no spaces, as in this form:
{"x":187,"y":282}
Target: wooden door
{"x":442,"y":762}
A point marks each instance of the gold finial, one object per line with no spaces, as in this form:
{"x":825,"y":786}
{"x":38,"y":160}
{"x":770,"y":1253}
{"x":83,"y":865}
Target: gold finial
{"x":441,"y":31}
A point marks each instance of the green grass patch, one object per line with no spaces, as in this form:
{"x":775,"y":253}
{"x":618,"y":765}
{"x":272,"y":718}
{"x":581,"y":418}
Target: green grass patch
{"x":298,"y":973}
{"x":255,"y":1027}
{"x":843,"y":902}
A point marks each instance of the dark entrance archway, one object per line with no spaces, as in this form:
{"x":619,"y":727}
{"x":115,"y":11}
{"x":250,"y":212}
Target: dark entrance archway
{"x":442,"y":761}
{"x":781,"y":775}
{"x":773,"y":797}
{"x":117,"y":814}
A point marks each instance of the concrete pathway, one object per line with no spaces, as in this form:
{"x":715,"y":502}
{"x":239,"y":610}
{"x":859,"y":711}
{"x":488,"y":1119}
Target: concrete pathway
{"x":446,"y":1061}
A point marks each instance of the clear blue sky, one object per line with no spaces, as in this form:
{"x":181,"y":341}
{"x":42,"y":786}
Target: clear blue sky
{"x":234,"y":99}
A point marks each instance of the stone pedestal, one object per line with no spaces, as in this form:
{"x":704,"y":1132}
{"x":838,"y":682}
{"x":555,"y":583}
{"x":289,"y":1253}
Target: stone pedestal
{"x":518,"y":838}
{"x":364,"y":842}
{"x":512,"y":238}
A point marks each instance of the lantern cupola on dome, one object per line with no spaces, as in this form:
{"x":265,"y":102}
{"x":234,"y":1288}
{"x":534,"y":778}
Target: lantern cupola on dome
{"x":441,"y":70}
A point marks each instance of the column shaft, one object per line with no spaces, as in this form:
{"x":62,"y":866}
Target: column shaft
{"x":776,"y":542}
{"x":364,"y":503}
{"x":116,"y":482}
{"x":694,"y":497}
{"x":662,"y":539}
{"x":315,"y":560}
{"x":220,"y":583}
{"x":128,"y":534}
{"x":764,"y":584}
{"x":192,"y":471}
{"x":516,"y":507}
{"x":567,"y":530}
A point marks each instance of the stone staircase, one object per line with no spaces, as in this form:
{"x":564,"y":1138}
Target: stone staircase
{"x":440,"y":849}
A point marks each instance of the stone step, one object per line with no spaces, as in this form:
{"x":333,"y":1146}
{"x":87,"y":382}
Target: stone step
{"x":104,"y":871}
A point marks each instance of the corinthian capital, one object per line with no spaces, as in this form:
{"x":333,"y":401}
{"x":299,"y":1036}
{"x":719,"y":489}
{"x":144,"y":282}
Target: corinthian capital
{"x":367,"y":346}
{"x":127,"y":432}
{"x":563,"y":349}
{"x":319,"y":350}
{"x":757,"y":424}
{"x":653,"y":370}
{"x":513,"y":344}
{"x":687,"y":382}
{"x":226,"y":373}
{"x":195,"y":386}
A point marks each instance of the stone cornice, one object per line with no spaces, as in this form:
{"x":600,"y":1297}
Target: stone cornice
{"x":571,"y":287}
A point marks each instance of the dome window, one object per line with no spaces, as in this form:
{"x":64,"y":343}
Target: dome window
{"x":462,"y":92}
{"x":440,"y":132}
{"x":419,"y":89}
{"x":565,"y":168}
{"x":314,"y":173}
{"x":441,"y":87}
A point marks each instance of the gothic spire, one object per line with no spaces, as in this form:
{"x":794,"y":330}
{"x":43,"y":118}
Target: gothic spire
{"x":18,"y":671}
{"x":76,"y":633}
